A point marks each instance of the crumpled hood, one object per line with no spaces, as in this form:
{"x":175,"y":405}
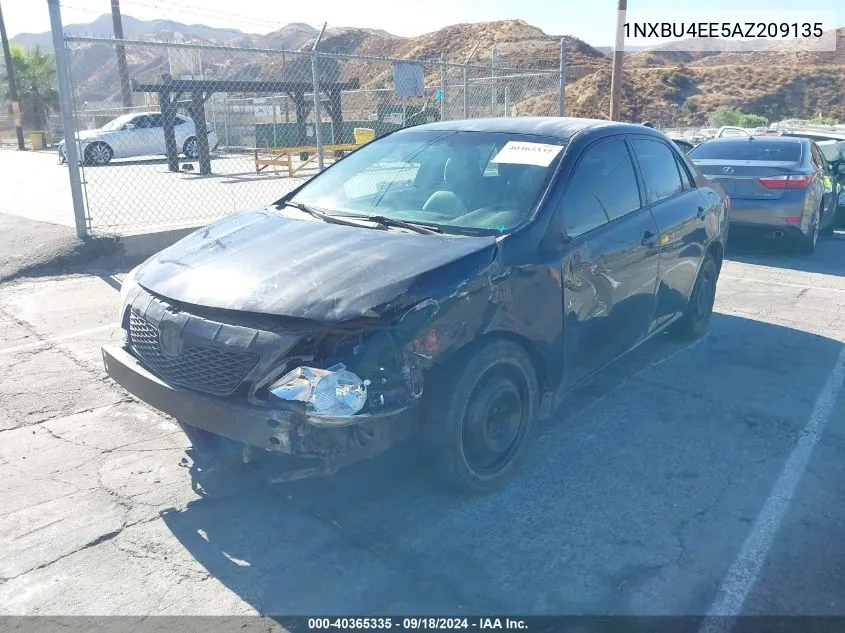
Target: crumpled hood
{"x":263,"y":262}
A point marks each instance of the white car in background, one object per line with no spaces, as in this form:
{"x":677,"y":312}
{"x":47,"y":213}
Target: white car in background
{"x":138,"y":134}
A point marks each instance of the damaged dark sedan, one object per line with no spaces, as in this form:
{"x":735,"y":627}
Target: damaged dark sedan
{"x":450,"y":280}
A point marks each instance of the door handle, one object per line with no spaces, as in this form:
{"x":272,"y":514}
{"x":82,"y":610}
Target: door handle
{"x":649,"y":239}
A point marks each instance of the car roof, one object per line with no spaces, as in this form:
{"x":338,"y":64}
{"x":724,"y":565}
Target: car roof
{"x":563,"y":128}
{"x":758,"y":139}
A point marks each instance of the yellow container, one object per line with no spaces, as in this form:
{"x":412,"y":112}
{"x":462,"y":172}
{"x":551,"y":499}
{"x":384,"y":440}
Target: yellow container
{"x":364,"y":135}
{"x":36,"y":139}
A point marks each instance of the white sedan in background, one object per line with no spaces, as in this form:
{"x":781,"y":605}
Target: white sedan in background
{"x":139,"y":134}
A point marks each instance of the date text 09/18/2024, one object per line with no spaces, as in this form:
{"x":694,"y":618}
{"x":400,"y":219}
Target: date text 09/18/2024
{"x":416,"y":624}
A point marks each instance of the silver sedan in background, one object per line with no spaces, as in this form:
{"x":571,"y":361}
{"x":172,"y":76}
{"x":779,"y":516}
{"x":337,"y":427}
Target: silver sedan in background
{"x":780,"y":187}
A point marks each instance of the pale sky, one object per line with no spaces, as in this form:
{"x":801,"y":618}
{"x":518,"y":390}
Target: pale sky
{"x":592,"y":21}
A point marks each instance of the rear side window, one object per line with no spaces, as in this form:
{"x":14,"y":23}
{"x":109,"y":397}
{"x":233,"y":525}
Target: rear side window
{"x":818,"y":159}
{"x":685,"y":177}
{"x":768,"y":149}
{"x":659,"y":168}
{"x":602,"y":187}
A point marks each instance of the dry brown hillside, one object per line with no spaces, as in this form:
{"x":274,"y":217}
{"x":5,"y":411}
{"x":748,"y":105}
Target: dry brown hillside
{"x":518,"y":45}
{"x":686,"y":95}
{"x":781,"y":55}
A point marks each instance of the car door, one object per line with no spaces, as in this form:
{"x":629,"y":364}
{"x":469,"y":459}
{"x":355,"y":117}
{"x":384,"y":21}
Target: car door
{"x":610,"y":261}
{"x":825,"y":178}
{"x":155,"y":135}
{"x":130,"y":138}
{"x":680,"y":211}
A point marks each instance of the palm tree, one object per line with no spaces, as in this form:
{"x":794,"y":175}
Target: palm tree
{"x":35,"y":74}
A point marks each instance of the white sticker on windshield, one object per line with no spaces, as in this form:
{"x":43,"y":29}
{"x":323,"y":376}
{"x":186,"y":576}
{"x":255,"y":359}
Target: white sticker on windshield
{"x":522,"y":153}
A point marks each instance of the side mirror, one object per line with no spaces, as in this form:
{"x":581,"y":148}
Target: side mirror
{"x":129,"y":126}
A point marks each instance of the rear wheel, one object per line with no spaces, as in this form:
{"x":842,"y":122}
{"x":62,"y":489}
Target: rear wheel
{"x":696,"y":318}
{"x":827,"y":230}
{"x":807,"y":243}
{"x":486,"y":411}
{"x":191,"y":148}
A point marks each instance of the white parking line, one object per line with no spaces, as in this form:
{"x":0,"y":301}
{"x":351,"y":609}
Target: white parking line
{"x":57,"y":339}
{"x":742,"y":575}
{"x":781,"y":283}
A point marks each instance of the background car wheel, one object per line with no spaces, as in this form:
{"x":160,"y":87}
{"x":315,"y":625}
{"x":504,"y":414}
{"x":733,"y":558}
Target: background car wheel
{"x":807,"y":244}
{"x":827,"y":230}
{"x":700,"y":307}
{"x":98,"y":154}
{"x":191,"y":148}
{"x":486,"y":410}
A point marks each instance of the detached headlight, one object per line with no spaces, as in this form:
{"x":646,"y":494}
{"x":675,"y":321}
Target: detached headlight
{"x":126,"y":286}
{"x":332,"y":392}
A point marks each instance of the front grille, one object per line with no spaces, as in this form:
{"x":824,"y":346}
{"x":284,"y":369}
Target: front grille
{"x":208,"y":369}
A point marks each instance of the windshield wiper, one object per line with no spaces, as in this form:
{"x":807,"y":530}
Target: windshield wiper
{"x":354,"y":220}
{"x":418,"y":227}
{"x":317,"y":213}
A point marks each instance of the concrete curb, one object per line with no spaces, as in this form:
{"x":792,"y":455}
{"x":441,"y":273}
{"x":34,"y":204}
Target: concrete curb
{"x":38,"y":249}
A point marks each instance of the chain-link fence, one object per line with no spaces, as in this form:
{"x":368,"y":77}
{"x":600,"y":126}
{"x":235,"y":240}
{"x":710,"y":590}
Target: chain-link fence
{"x":212,"y":129}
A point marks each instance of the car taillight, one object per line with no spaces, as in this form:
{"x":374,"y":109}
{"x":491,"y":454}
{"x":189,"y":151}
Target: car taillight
{"x":786,"y":182}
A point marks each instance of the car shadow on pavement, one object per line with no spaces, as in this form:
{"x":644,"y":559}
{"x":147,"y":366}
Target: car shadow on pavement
{"x":634,"y":498}
{"x":761,"y":252}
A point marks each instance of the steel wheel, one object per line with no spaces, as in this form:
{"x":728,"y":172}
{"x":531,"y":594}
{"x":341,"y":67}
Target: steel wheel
{"x":494,"y":424}
{"x":696,"y":319}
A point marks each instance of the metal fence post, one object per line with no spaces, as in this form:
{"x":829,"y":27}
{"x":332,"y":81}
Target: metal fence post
{"x":68,"y":122}
{"x":466,"y":93}
{"x":442,"y":86}
{"x":318,"y":123}
{"x":561,"y":102}
{"x":493,"y":81}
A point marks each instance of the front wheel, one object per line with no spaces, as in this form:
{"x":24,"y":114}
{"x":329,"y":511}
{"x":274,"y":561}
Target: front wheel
{"x":693,"y":324}
{"x":98,"y":154}
{"x":486,"y":412}
{"x":210,"y":449}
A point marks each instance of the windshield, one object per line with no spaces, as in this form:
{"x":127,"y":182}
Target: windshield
{"x":745,"y":149}
{"x":471,"y":180}
{"x":116,"y":124}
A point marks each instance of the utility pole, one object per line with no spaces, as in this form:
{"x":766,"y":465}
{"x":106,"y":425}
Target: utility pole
{"x":618,"y":57}
{"x":13,"y":89}
{"x":122,"y":69}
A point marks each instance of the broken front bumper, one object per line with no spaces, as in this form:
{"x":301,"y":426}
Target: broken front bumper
{"x":290,"y":431}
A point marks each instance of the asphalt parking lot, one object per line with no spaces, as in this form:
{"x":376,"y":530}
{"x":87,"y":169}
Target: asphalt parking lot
{"x":688,"y":478}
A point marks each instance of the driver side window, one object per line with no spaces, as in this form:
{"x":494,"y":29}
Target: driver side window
{"x":602,"y":187}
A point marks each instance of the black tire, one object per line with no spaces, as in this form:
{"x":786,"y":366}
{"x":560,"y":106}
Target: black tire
{"x":477,"y":451}
{"x":211,"y":449}
{"x":828,"y":230}
{"x":98,"y":153}
{"x":807,"y":243}
{"x":693,"y":324}
{"x":190,"y":149}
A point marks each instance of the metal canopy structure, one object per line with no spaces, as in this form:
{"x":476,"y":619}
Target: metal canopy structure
{"x":170,"y":91}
